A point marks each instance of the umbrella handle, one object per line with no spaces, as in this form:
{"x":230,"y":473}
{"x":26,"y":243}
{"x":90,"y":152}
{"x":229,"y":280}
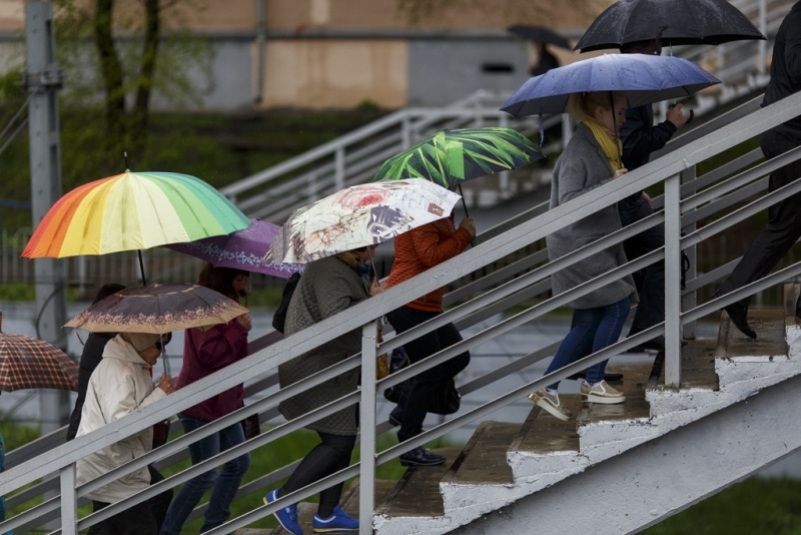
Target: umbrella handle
{"x":142,"y":267}
{"x":473,"y":240}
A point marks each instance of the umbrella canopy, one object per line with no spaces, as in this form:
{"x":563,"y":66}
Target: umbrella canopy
{"x":27,"y":362}
{"x":359,"y":216}
{"x":539,"y":34}
{"x":243,"y":250}
{"x":673,"y":22}
{"x":133,"y":211}
{"x":158,"y":309}
{"x":644,"y":79}
{"x":450,"y":157}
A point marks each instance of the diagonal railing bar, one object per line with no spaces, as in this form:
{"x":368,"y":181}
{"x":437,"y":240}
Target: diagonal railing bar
{"x":531,"y":231}
{"x":737,"y":197}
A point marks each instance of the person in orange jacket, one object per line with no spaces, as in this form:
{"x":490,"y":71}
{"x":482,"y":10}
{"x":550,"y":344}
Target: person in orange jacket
{"x":415,"y":252}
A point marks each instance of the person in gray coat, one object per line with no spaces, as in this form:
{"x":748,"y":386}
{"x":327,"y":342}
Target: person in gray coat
{"x":591,"y":159}
{"x":327,"y":287}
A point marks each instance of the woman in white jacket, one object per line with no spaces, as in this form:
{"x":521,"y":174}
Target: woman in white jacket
{"x":121,"y":384}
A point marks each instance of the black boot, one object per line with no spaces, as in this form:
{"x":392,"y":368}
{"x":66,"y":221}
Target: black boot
{"x":738,"y":312}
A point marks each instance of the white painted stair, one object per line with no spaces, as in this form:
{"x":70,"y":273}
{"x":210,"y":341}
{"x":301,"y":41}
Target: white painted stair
{"x":505,"y":463}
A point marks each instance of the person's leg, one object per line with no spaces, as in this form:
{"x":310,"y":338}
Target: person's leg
{"x":228,"y":481}
{"x":784,"y":222}
{"x":320,"y":462}
{"x":188,"y":497}
{"x":424,"y":386}
{"x":607,"y":333}
{"x":160,"y":503}
{"x":577,"y":342}
{"x":136,"y":520}
{"x":96,"y":506}
{"x":341,"y":447}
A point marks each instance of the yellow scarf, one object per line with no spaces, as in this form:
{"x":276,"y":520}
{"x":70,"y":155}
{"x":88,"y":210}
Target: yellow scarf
{"x":351,"y":259}
{"x":611,"y":149}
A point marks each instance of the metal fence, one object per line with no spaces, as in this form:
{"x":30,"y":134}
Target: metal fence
{"x":688,"y":200}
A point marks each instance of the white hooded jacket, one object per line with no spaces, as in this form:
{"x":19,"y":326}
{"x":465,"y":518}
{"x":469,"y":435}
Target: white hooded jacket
{"x":120,"y":385}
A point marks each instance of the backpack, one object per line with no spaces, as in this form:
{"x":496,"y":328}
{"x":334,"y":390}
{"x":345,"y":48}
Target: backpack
{"x":279,"y":318}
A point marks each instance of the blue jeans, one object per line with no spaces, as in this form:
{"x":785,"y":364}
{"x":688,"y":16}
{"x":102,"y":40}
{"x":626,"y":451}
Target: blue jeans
{"x":592,"y":330}
{"x":225,"y":484}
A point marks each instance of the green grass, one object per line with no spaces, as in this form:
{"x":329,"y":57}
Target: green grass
{"x":755,"y":506}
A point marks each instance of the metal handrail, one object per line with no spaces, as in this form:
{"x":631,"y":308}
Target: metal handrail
{"x":364,"y":313}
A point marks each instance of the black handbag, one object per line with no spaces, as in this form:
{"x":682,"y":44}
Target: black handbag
{"x":447,"y":400}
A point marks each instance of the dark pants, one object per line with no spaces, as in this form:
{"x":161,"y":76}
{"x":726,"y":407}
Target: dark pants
{"x":142,"y":519}
{"x":327,"y":458}
{"x":651,"y":281}
{"x":423,"y":387}
{"x":784,"y":218}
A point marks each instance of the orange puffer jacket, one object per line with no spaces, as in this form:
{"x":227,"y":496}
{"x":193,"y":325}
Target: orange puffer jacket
{"x":423,"y":248}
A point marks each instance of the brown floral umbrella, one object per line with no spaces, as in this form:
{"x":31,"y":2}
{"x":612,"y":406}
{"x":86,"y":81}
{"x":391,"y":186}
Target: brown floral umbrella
{"x":27,"y":362}
{"x":158,"y":309}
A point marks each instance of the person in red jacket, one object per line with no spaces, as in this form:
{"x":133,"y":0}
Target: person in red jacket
{"x":205,"y":352}
{"x":415,"y":252}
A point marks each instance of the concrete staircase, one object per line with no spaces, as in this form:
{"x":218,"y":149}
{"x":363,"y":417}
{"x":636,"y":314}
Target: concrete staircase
{"x":505,"y":462}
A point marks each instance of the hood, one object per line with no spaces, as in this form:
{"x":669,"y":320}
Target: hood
{"x":117,"y":348}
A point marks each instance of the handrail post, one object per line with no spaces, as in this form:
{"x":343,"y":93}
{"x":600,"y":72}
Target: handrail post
{"x":672,"y":282}
{"x":339,"y":168}
{"x":763,"y":45}
{"x":69,"y":501}
{"x":406,"y":132}
{"x":690,"y":300}
{"x":367,"y":427}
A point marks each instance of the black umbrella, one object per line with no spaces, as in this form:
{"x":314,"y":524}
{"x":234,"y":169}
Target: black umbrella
{"x":539,"y":34}
{"x":673,"y":22}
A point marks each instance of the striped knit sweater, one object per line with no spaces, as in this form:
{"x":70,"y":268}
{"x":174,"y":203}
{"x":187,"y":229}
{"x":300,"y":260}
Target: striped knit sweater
{"x":423,"y":248}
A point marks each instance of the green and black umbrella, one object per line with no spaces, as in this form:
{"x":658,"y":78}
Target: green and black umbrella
{"x":450,"y":157}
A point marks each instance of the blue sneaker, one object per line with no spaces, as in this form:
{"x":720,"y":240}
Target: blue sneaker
{"x":288,"y":516}
{"x":339,"y":521}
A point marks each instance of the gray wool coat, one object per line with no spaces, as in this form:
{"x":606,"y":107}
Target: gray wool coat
{"x":582,"y":167}
{"x":328,"y":286}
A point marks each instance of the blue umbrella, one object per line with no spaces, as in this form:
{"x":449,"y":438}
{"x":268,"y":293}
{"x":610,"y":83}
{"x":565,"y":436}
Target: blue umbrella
{"x":644,"y":79}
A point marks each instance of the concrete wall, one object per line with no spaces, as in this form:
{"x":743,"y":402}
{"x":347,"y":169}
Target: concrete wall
{"x":335,"y":73}
{"x":441,"y":71}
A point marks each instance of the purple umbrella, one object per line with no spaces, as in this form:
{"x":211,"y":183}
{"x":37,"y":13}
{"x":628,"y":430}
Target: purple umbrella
{"x":243,"y":249}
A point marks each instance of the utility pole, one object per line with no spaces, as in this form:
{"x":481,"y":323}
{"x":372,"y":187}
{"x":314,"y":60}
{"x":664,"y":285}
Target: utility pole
{"x":42,"y":80}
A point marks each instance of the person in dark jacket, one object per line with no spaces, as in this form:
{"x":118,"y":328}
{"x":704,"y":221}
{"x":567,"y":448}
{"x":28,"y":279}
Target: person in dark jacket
{"x":640,"y":138}
{"x":546,"y":62}
{"x":784,"y":218}
{"x":207,"y":350}
{"x":328,"y":286}
{"x":90,"y":358}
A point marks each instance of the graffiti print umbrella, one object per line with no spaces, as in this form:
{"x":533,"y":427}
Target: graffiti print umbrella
{"x":673,"y":22}
{"x":27,"y":362}
{"x":359,"y":216}
{"x":244,"y":250}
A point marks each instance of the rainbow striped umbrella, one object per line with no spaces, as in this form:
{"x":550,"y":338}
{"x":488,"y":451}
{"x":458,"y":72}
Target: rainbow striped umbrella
{"x":133,"y":211}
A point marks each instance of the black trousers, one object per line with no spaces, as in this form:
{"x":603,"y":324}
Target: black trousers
{"x":784,"y":218}
{"x":423,"y":387}
{"x":142,"y":519}
{"x":326,"y":458}
{"x":651,"y":280}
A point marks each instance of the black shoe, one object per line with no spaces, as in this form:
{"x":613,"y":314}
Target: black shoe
{"x":420,"y":457}
{"x":609,"y":377}
{"x":394,"y":417}
{"x":739,"y":317}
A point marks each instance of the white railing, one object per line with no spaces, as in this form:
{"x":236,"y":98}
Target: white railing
{"x":683,"y":206}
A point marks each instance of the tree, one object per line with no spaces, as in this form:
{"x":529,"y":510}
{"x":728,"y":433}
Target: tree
{"x":142,"y":53}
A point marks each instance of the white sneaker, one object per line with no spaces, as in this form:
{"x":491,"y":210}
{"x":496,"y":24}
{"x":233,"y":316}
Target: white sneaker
{"x":601,"y":393}
{"x":550,"y":403}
